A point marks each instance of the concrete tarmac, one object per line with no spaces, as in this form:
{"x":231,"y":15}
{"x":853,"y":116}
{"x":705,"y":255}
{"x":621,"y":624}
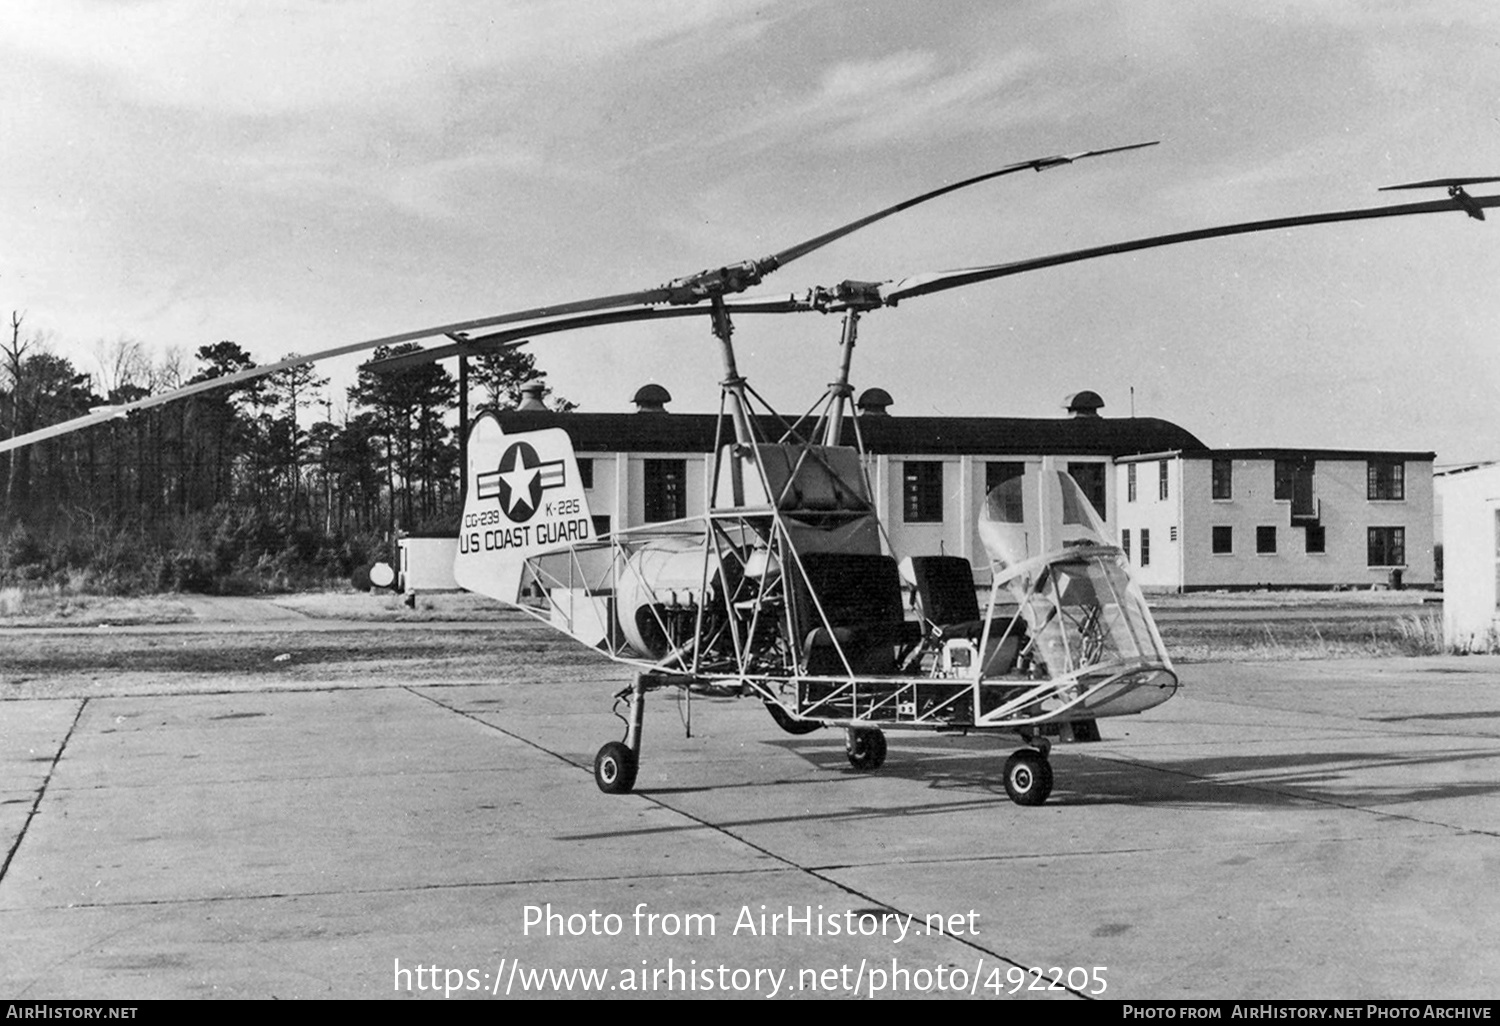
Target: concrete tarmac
{"x":1277,"y":830}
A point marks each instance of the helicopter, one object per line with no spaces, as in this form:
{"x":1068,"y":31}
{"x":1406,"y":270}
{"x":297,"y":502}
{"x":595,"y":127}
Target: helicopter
{"x":785,"y":590}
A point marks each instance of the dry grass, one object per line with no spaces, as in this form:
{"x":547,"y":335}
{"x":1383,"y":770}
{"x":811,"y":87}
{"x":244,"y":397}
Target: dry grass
{"x":99,"y":663}
{"x":62,"y":606}
{"x":385,"y":606}
{"x":1269,"y":639}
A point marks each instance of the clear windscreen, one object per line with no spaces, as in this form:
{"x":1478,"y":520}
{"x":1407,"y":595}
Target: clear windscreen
{"x":1085,"y":613}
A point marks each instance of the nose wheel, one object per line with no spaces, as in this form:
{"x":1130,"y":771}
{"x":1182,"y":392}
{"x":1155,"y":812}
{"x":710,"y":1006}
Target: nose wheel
{"x":614,"y":768}
{"x":1028,"y":777}
{"x":865,"y":747}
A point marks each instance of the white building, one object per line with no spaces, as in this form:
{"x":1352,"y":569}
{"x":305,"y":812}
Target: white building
{"x":1294,"y":518}
{"x":1470,"y":501}
{"x":1191,"y":517}
{"x":929,"y":475}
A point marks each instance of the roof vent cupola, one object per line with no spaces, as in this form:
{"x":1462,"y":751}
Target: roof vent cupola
{"x":1083,"y":404}
{"x":651,"y":398}
{"x":872,"y":402}
{"x":531,"y":396}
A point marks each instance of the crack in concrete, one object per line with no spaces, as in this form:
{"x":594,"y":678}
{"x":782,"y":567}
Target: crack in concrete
{"x":41,"y":792}
{"x":461,"y":885}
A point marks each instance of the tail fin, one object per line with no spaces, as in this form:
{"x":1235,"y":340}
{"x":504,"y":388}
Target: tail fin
{"x":524,"y":497}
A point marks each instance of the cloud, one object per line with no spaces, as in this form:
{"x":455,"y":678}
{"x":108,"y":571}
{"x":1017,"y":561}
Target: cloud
{"x":907,"y":95}
{"x":250,"y":57}
{"x":856,"y":81}
{"x":439,"y":189}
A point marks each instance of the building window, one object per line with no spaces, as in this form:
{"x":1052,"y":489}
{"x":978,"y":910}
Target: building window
{"x":1387,"y":546}
{"x":1223,"y":541}
{"x":1172,"y":534}
{"x":1265,"y":540}
{"x":1145,"y":547}
{"x":1317,"y":541}
{"x":1090,"y":478}
{"x":1292,"y":476}
{"x":1130,"y":483}
{"x":997,"y":474}
{"x":1294,"y":484}
{"x":1161,"y":480}
{"x":586,"y":473}
{"x":1286,"y":479}
{"x":922,"y":492}
{"x":1387,"y":479}
{"x":1223,"y":479}
{"x":1125,"y":541}
{"x":666,"y":490}
{"x":601,"y":526}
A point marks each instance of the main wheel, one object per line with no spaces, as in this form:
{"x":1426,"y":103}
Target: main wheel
{"x":1028,"y":777}
{"x":789,"y":723}
{"x":614,"y":768}
{"x":865,"y":747}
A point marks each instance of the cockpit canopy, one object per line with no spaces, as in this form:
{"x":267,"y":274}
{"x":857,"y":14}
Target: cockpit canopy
{"x":1072,"y":587}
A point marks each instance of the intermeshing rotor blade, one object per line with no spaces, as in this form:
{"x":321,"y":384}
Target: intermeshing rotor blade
{"x":685,"y":291}
{"x":786,"y":256}
{"x":893,"y":292}
{"x":1438,"y":183}
{"x":735,"y":278}
{"x":487,"y":342}
{"x":512,"y":337}
{"x":112,"y":412}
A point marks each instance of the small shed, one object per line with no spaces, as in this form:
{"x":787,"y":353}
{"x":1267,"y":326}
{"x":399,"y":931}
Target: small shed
{"x":427,"y":563}
{"x":1469,"y":498}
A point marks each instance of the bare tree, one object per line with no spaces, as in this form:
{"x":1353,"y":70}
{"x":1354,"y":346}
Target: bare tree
{"x":14,"y":354}
{"x":124,"y":369}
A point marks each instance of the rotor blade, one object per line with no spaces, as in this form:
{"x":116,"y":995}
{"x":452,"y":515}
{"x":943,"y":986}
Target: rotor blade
{"x":736,"y":278}
{"x":786,"y":256}
{"x":99,"y":416}
{"x":926,"y":284}
{"x":497,"y":340}
{"x":110,"y":413}
{"x":1438,"y":183}
{"x":511,"y":337}
{"x":679,"y":292}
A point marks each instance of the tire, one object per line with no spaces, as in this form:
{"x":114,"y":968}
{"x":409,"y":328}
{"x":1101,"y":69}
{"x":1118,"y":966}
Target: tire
{"x":865,"y":747}
{"x":789,"y":723}
{"x":614,"y":769}
{"x":1028,"y":777}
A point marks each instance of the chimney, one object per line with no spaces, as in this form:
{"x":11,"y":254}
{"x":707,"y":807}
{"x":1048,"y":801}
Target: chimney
{"x":651,"y":399}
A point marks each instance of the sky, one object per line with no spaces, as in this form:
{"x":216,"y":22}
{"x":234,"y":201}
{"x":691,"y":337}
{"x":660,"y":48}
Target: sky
{"x":301,"y":174}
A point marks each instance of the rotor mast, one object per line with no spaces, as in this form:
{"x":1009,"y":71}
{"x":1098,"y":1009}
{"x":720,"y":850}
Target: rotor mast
{"x":733,"y":384}
{"x":840,"y":389}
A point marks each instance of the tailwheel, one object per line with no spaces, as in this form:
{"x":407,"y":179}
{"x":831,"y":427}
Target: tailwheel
{"x":1028,"y":777}
{"x":789,"y":723}
{"x":614,"y":768}
{"x":865,"y":747}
